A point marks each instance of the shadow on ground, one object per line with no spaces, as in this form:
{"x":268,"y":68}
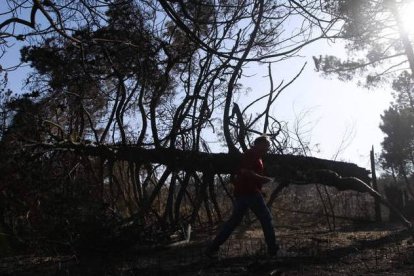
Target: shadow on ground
{"x":363,"y":250}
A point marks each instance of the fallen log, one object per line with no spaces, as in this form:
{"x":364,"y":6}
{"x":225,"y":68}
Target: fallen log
{"x":279,"y":166}
{"x":331,"y":178}
{"x":284,"y":168}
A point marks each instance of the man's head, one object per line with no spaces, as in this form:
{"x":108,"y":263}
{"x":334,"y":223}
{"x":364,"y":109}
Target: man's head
{"x":262,"y":145}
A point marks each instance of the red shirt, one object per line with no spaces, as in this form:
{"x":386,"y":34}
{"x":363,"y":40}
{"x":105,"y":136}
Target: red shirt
{"x":245,"y":183}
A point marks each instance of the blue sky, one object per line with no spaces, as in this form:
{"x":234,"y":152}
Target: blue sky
{"x":335,"y":110}
{"x":338,"y":115}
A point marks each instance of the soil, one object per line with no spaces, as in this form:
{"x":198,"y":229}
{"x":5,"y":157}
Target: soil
{"x":369,"y":249}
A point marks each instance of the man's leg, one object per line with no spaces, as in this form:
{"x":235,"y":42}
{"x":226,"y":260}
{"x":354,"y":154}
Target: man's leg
{"x":239,"y":209}
{"x":260,"y":209}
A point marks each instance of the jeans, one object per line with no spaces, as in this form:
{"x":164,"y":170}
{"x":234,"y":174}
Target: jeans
{"x":242,"y":204}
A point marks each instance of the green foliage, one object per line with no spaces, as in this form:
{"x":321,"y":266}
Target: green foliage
{"x":5,"y":95}
{"x":403,"y":87}
{"x":55,"y":200}
{"x":374,"y":39}
{"x":398,"y":145}
{"x":345,"y":70}
{"x":84,"y":84}
{"x":398,"y":126}
{"x":50,"y":201}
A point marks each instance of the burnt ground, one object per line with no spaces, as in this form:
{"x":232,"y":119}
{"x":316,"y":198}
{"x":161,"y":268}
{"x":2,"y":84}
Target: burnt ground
{"x":369,"y":249}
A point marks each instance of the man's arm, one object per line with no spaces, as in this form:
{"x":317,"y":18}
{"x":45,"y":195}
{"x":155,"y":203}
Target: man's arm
{"x":255,"y":176}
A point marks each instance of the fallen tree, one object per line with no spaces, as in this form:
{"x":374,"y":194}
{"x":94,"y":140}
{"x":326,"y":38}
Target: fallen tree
{"x":286,"y":169}
{"x":279,"y":166}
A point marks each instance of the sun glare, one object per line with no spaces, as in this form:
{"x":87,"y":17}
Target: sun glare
{"x":407,"y":15}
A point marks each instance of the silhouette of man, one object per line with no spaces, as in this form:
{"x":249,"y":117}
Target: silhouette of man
{"x":248,"y":195}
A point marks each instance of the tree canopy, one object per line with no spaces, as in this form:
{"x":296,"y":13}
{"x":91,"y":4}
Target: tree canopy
{"x":374,"y":32}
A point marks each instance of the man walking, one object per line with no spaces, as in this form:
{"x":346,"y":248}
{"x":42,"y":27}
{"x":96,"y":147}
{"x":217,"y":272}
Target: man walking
{"x":248,"y":195}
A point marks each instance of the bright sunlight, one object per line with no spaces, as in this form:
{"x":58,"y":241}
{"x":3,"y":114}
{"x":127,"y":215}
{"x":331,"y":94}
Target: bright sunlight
{"x":407,"y":14}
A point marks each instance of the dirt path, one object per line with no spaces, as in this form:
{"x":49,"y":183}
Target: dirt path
{"x":362,"y":250}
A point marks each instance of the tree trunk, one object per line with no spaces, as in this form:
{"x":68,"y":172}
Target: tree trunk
{"x":375,"y":187}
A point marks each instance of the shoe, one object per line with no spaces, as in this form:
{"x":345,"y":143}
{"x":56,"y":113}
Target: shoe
{"x":211,"y":252}
{"x":272,"y":252}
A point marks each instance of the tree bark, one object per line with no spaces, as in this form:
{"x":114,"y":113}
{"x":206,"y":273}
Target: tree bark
{"x":375,"y":187}
{"x":293,"y":167}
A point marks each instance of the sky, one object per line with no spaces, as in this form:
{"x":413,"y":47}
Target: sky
{"x":338,"y":116}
